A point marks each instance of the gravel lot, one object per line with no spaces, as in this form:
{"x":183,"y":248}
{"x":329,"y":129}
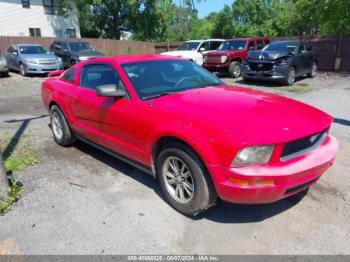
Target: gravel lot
{"x":78,"y":200}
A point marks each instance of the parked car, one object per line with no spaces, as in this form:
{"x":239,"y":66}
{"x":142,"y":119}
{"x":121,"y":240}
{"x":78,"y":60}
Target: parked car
{"x":230,"y":54}
{"x":73,"y":52}
{"x":195,"y":49}
{"x":201,"y":138}
{"x":4,"y":71}
{"x":32,"y":59}
{"x":280,"y":61}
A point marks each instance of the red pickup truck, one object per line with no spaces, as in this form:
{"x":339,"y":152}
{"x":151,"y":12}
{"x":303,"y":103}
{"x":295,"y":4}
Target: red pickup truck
{"x":228,"y":57}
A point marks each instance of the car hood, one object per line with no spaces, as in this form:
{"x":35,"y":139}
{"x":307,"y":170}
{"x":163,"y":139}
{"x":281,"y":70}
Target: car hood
{"x":267,"y":55}
{"x":255,"y":117}
{"x":88,"y":54}
{"x":39,"y":56}
{"x":179,"y":53}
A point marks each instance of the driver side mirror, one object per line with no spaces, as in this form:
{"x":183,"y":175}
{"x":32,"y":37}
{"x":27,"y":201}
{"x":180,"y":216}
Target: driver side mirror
{"x":110,"y":91}
{"x":202,"y":49}
{"x":14,"y":53}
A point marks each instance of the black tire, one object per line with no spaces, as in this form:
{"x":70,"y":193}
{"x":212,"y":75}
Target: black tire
{"x":204,"y":195}
{"x":4,"y":74}
{"x":290,"y":78}
{"x":313,"y":71}
{"x":234,"y":69}
{"x":67,"y":138}
{"x":22,"y":70}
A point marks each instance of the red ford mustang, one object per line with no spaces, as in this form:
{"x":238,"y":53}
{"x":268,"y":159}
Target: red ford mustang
{"x":201,"y":138}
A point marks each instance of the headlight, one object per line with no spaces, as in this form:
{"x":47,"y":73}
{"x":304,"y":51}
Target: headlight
{"x":3,"y":60}
{"x":282,"y":62}
{"x":31,"y":61}
{"x":223,"y":59}
{"x":253,"y":155}
{"x":59,"y":59}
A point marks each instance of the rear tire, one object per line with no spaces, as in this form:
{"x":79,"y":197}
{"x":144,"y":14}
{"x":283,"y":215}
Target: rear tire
{"x":62,"y":134}
{"x":234,"y":69}
{"x":313,"y":71}
{"x":184,"y":181}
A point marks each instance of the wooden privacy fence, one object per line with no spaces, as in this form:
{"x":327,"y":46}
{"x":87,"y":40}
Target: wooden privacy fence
{"x":107,"y":46}
{"x":332,"y":52}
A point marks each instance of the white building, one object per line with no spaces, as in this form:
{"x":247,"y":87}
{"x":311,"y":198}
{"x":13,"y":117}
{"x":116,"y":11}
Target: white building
{"x":37,"y":18}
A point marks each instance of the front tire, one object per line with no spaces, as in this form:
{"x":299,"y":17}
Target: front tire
{"x":61,"y":131}
{"x":313,"y":71}
{"x":234,"y":69}
{"x":291,"y":76}
{"x":22,"y":70}
{"x":184,"y":181}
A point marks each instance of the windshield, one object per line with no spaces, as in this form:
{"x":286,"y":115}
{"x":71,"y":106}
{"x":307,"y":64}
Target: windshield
{"x":188,"y":46}
{"x":290,"y":47}
{"x":233,"y":45}
{"x":32,"y":49}
{"x":80,"y":46}
{"x":154,"y":78}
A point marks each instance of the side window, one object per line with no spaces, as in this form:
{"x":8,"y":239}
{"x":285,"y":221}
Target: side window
{"x":95,"y":75}
{"x":214,"y":45}
{"x":308,"y":47}
{"x":205,"y":45}
{"x":64,"y":47}
{"x":69,"y":75}
{"x":259,"y":44}
{"x":251,"y":45}
{"x":58,"y":46}
{"x":302,"y":47}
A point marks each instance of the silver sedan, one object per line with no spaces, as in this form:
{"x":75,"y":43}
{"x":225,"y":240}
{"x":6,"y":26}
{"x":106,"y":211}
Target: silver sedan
{"x":32,"y":59}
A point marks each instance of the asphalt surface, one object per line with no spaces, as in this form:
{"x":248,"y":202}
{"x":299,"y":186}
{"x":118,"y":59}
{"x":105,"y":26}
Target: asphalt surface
{"x":78,"y":200}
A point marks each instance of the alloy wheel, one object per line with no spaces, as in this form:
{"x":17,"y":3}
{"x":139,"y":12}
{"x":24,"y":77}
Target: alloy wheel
{"x":57,"y":126}
{"x":178,"y":179}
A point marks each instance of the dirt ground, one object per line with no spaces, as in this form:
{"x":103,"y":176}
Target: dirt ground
{"x":78,"y":200}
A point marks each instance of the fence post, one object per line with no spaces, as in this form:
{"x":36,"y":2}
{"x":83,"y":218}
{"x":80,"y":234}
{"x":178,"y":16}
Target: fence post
{"x":3,"y":180}
{"x":338,"y":49}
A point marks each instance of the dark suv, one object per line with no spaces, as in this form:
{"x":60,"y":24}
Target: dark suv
{"x":72,"y":51}
{"x":281,"y":61}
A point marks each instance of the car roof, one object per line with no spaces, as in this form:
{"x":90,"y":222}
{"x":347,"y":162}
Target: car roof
{"x":202,"y":40}
{"x":246,"y":38}
{"x":124,"y":59}
{"x":287,"y":41}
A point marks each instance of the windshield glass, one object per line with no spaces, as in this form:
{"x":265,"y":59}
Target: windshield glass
{"x":80,"y":46}
{"x":290,"y":47}
{"x":188,"y":46}
{"x":233,"y":45}
{"x":33,"y":49}
{"x":154,"y":78}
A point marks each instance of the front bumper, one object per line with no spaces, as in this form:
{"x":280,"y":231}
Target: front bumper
{"x":289,"y":177}
{"x":216,"y":67}
{"x":277,"y":73}
{"x":43,"y":68}
{"x":3,"y":68}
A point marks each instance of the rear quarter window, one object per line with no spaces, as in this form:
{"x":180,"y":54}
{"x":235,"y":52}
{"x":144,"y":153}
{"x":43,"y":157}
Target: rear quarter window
{"x":69,"y":75}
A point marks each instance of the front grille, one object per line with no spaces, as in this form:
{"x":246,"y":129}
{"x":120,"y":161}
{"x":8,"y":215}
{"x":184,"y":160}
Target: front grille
{"x":299,"y":187}
{"x":260,"y":66}
{"x":47,"y":62}
{"x":213,"y":59}
{"x":300,"y":146}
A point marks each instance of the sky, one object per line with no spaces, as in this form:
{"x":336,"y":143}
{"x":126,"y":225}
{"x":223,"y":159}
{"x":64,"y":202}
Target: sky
{"x":208,"y":6}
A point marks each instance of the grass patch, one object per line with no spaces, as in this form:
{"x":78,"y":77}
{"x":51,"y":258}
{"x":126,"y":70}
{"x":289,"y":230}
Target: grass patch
{"x":21,"y":157}
{"x":297,"y":88}
{"x":13,"y":194}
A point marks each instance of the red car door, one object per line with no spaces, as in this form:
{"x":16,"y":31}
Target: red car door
{"x":111,"y":122}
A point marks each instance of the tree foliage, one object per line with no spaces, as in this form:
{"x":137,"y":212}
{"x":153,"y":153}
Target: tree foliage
{"x":161,"y":20}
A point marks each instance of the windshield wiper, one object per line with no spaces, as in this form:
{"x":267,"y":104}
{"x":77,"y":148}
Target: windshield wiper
{"x":157,"y":95}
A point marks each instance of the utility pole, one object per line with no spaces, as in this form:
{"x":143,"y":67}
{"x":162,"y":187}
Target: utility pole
{"x":4,"y":184}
